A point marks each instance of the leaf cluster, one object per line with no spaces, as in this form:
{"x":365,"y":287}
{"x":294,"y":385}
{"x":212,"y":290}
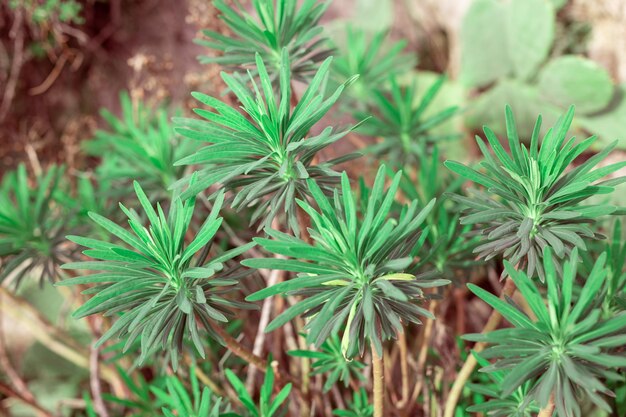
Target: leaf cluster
{"x":265,"y":154}
{"x":515,"y":404}
{"x":177,"y":402}
{"x":358,"y":407}
{"x":565,"y":349}
{"x":33,"y":224}
{"x":140,"y":145}
{"x":353,"y":276}
{"x":400,"y":122}
{"x":613,"y":293}
{"x":448,"y":245}
{"x":329,"y":359}
{"x":374,"y":59}
{"x":279,"y":25}
{"x":163,"y":289}
{"x":268,"y":404}
{"x":531,"y":200}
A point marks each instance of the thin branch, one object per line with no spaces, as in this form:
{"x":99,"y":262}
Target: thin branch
{"x":51,"y":78}
{"x":10,"y":392}
{"x":238,"y":349}
{"x":338,"y":398}
{"x":246,"y":354}
{"x":259,"y":340}
{"x":47,"y":334}
{"x":404,"y":370}
{"x":17,"y":33}
{"x":94,"y":383}
{"x":10,"y":371}
{"x":423,"y":354}
{"x":470,"y":363}
{"x":204,"y":378}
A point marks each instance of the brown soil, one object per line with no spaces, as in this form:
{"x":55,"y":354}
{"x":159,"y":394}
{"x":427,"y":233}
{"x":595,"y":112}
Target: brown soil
{"x":146,"y":46}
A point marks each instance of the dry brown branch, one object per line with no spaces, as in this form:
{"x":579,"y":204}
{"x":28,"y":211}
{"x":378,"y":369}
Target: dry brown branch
{"x":95,"y":384}
{"x":17,"y":34}
{"x":10,"y":392}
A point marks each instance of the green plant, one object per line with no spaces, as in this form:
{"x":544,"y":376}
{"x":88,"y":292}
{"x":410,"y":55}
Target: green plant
{"x":139,"y":397}
{"x":280,"y":27}
{"x":265,"y":154}
{"x":165,"y":395}
{"x":374,"y":61}
{"x":178,"y":403}
{"x":42,"y":12}
{"x":92,"y":195}
{"x":613,"y":294}
{"x":359,"y":407}
{"x":33,"y":224}
{"x":89,"y":408}
{"x":267,"y":406}
{"x":167,"y":290}
{"x":531,"y":200}
{"x":449,"y":244}
{"x":353,"y":275}
{"x":517,"y":404}
{"x":565,"y":349}
{"x":141,"y":146}
{"x":330,"y":360}
{"x":400,"y":123}
{"x":343,"y":265}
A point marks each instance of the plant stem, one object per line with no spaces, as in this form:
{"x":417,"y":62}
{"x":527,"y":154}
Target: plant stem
{"x":9,"y":392}
{"x":378,"y":383}
{"x":246,"y":354}
{"x":238,"y":349}
{"x":548,"y":410}
{"x":94,"y":382}
{"x":5,"y":363}
{"x":470,"y":363}
{"x":404,"y":370}
{"x":259,"y":340}
{"x":423,"y":355}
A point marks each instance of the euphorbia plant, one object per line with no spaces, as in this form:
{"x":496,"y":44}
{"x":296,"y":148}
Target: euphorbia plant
{"x":139,"y":146}
{"x":166,"y":289}
{"x":565,"y":350}
{"x":400,"y":122}
{"x":533,"y":203}
{"x":331,"y":360}
{"x":33,"y":224}
{"x":354,"y":277}
{"x":532,"y":200}
{"x":265,"y":154}
{"x":449,"y":243}
{"x":279,"y":26}
{"x":375,"y":60}
{"x":515,"y":404}
{"x":268,"y":404}
{"x":177,"y":402}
